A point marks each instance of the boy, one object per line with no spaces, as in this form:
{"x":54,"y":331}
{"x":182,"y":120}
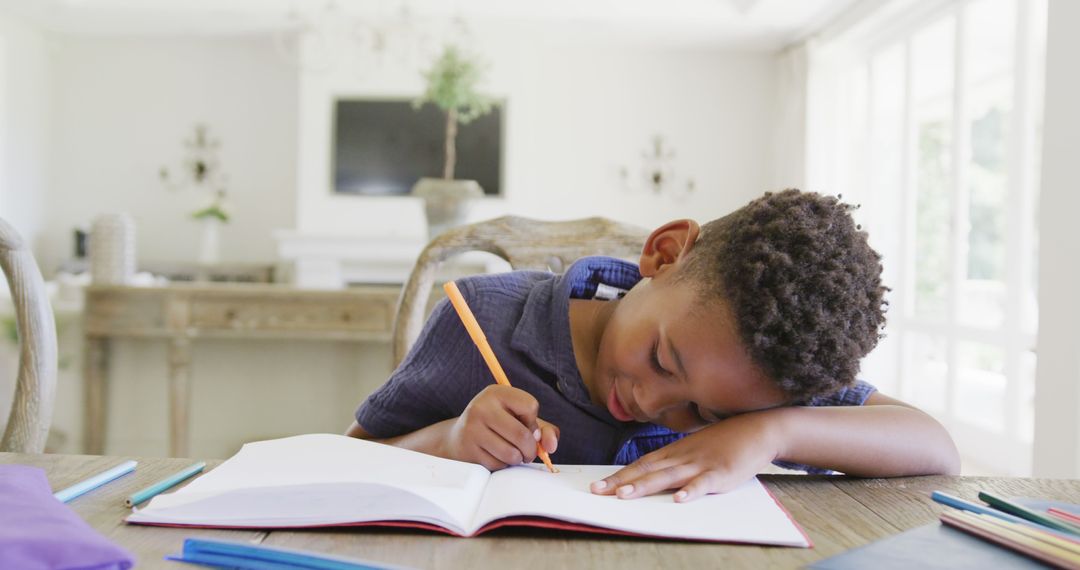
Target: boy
{"x":728,"y":347}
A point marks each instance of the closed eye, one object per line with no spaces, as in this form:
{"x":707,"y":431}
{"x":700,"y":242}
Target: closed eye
{"x":705,"y":415}
{"x":699,"y":412}
{"x":655,"y":360}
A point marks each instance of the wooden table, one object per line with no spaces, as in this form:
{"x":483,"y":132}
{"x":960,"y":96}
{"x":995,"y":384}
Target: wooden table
{"x":182,"y":313}
{"x":838,"y":513}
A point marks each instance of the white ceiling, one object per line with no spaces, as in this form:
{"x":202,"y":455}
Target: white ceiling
{"x":749,"y":24}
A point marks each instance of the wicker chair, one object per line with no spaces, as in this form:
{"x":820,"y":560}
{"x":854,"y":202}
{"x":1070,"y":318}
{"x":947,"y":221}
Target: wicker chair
{"x":524,"y":243}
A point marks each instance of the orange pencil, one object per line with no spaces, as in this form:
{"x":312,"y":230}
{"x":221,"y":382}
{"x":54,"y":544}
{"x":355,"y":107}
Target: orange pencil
{"x":478,"y":338}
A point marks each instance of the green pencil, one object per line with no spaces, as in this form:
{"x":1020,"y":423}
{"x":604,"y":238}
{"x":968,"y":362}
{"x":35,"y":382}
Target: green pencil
{"x":1026,"y":513}
{"x":170,"y":481}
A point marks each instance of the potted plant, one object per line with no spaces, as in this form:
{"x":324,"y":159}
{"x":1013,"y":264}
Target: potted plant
{"x":453,"y":86}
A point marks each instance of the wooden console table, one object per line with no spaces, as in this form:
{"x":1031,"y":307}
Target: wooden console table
{"x":181,"y":313}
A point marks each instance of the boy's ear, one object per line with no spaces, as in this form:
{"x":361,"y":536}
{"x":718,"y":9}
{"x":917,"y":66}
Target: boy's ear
{"x":666,"y":245}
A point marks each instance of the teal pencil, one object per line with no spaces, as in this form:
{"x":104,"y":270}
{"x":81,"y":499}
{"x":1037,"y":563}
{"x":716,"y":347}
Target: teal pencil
{"x":94,"y":482}
{"x":166,"y":483}
{"x":1026,"y":513}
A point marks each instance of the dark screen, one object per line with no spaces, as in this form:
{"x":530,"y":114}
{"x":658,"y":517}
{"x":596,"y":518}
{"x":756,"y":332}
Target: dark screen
{"x":383,"y":147}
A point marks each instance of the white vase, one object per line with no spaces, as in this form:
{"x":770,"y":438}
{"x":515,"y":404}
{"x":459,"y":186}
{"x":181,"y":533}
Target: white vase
{"x":210,"y":244}
{"x":112,"y":249}
{"x":446,"y":202}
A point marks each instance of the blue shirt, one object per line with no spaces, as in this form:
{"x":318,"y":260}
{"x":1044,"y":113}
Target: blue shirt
{"x":526,"y":318}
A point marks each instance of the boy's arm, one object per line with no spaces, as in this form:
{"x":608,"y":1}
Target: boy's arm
{"x":885,"y":437}
{"x":882,"y":438}
{"x":431,"y":439}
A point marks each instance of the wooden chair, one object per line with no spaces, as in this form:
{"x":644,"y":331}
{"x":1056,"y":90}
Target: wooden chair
{"x":35,"y":388}
{"x":525,"y":243}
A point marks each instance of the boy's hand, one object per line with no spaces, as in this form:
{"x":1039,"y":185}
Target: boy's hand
{"x":500,"y":428}
{"x":716,"y":459}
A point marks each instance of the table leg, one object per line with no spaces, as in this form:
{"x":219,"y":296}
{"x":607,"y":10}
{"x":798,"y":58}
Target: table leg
{"x":95,"y":385}
{"x":179,"y":395}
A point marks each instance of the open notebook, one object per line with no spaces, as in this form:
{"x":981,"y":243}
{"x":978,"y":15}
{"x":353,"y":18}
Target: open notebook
{"x":334,"y":480}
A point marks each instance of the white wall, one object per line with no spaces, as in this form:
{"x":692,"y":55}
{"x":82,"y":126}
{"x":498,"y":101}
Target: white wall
{"x":124,"y":106}
{"x":1057,"y":395}
{"x":25,"y":93}
{"x":24,"y":127}
{"x":577,"y":110}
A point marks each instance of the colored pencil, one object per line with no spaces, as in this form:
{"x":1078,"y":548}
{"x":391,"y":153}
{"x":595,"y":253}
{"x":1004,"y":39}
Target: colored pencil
{"x":958,"y":503}
{"x":1026,"y":513}
{"x":166,"y":483}
{"x":247,"y":556}
{"x":1064,"y":515}
{"x":94,"y":482}
{"x":1003,"y":533}
{"x":1036,"y":533}
{"x":478,"y":338}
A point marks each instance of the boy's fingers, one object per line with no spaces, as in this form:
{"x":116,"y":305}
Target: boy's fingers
{"x":487,"y":460}
{"x":501,"y":449}
{"x":704,"y":484}
{"x":661,"y":480}
{"x":549,"y":437}
{"x":515,"y":433}
{"x":521,"y":404}
{"x":696,"y":488}
{"x":628,"y":474}
{"x":554,"y":427}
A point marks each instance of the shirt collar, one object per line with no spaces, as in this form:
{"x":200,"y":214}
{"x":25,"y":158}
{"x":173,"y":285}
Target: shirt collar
{"x":546,"y":319}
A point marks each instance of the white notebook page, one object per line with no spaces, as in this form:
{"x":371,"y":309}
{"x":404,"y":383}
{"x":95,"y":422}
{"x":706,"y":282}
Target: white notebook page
{"x":324,"y":479}
{"x":747,"y":514}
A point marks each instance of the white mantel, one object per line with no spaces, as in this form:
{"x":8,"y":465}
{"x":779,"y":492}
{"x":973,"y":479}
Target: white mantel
{"x":326,"y":261}
{"x":334,"y":261}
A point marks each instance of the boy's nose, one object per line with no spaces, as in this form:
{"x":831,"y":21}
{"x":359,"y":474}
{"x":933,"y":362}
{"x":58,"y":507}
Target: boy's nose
{"x":655,"y":400}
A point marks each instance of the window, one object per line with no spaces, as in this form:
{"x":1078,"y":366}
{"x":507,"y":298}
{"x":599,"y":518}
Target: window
{"x":944,"y":164}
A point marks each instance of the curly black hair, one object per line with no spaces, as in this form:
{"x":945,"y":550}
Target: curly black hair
{"x":803,"y":284}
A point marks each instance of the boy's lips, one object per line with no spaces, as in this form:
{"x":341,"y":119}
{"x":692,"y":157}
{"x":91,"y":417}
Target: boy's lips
{"x":616,"y":408}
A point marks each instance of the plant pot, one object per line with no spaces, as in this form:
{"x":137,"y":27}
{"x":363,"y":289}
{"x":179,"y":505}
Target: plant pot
{"x":446,"y":202}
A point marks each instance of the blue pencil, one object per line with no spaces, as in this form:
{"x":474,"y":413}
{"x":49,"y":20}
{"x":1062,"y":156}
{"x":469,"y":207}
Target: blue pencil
{"x":166,"y":483}
{"x":958,"y":503}
{"x":245,"y":556}
{"x":95,"y":481}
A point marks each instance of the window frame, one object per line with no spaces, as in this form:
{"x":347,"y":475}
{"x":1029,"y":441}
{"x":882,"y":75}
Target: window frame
{"x":855,"y":50}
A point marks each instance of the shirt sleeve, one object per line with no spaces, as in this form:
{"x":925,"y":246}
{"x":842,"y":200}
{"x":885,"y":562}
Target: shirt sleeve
{"x":435,"y":382}
{"x":854,"y":395}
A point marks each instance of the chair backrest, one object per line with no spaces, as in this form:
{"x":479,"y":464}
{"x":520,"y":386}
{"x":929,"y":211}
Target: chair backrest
{"x":524,"y":243}
{"x":35,"y":388}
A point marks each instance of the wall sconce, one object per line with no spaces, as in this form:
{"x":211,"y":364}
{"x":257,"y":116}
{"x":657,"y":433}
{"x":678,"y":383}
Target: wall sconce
{"x":657,"y":172}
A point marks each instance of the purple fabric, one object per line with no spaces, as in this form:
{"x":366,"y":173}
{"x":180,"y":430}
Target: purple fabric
{"x":39,"y":532}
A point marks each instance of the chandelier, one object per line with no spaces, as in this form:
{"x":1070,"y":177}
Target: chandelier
{"x":327,"y":36}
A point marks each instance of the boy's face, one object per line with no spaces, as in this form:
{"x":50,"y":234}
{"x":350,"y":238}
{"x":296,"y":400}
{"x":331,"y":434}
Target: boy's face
{"x":667,"y":357}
